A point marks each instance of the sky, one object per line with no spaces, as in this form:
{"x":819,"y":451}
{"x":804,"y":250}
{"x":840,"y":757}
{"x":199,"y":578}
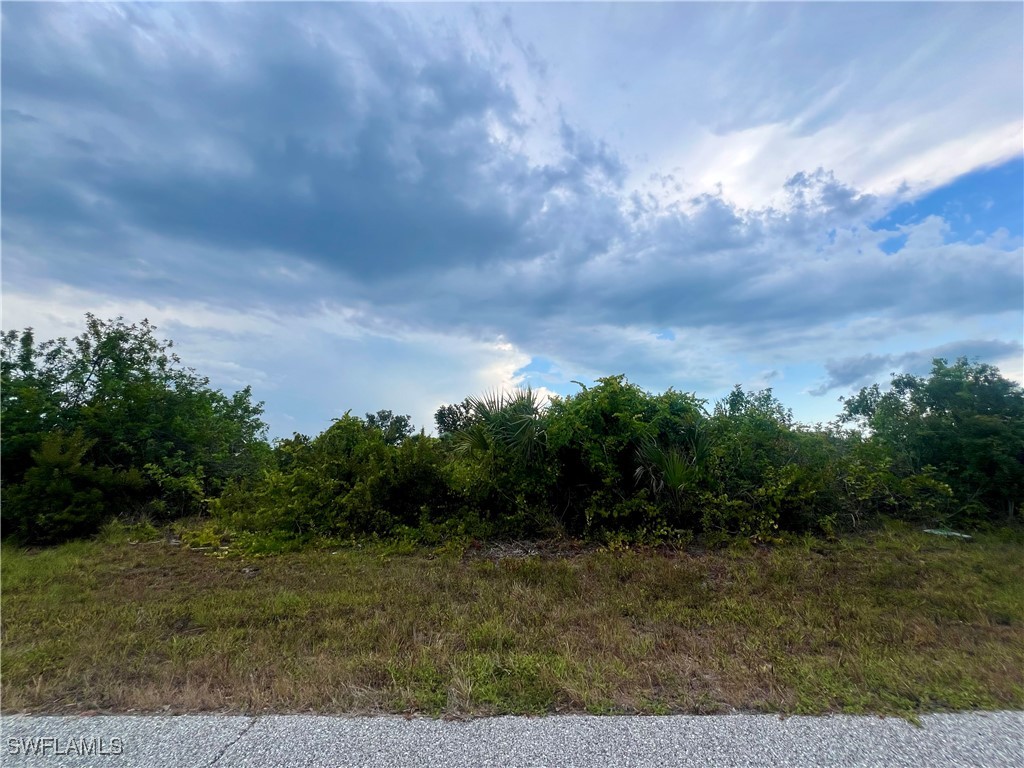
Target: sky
{"x":366,"y":206}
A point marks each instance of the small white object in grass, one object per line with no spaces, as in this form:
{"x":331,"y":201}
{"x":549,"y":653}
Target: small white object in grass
{"x":954,"y":534}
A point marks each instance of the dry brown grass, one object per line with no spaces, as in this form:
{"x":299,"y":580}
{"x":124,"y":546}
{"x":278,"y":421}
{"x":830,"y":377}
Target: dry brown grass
{"x":895,"y":622}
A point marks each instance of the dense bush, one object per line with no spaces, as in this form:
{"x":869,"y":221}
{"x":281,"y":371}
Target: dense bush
{"x":601,"y":437}
{"x":112,"y":424}
{"x":62,"y":494}
{"x":352,"y":480}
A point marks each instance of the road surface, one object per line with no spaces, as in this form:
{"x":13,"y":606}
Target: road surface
{"x":992,"y":740}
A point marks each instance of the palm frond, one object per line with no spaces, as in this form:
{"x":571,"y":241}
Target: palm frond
{"x":472,"y":441}
{"x":664,"y":467}
{"x":510,"y":421}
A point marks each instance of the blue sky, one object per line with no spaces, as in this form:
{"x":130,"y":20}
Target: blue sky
{"x":367,"y":206}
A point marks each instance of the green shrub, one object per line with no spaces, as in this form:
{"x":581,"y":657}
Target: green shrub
{"x":64,"y":496}
{"x":111,"y":425}
{"x":599,"y":439}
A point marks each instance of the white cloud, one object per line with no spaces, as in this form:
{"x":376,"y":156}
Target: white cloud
{"x":747,"y":96}
{"x":308,"y":367}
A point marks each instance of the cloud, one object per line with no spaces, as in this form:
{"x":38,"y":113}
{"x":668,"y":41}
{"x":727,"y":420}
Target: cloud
{"x":325,"y":197}
{"x":317,"y":141}
{"x":746,"y":95}
{"x":854,"y":372}
{"x":310,"y":365}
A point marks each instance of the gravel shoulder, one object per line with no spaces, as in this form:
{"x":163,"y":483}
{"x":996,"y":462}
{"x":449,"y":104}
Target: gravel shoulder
{"x":989,"y":739}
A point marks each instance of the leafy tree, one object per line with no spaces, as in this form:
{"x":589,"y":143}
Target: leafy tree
{"x":963,"y":425}
{"x":67,"y":495}
{"x":752,"y":431}
{"x":451,"y":419}
{"x":347,"y":481}
{"x":754,"y":463}
{"x":676,"y":458}
{"x":136,"y":410}
{"x":510,"y":423}
{"x":394,"y":428}
{"x":674,"y":470}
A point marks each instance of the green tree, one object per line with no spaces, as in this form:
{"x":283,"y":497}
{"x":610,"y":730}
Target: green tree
{"x":962,"y":425}
{"x":504,"y":439}
{"x":67,"y":495}
{"x":347,"y":481}
{"x":393,"y":427}
{"x":454,"y":418}
{"x":138,"y":410}
{"x":754,"y":466}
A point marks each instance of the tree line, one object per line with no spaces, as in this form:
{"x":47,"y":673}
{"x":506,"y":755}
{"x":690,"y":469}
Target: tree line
{"x":112,"y":424}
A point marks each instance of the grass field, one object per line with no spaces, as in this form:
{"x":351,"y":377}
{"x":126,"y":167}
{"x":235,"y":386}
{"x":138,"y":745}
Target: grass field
{"x":892,"y":622}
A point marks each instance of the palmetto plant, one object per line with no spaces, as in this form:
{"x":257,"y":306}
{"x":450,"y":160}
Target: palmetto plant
{"x":508,"y":423}
{"x":507,"y":438}
{"x":675,"y":468}
{"x":663,"y":467}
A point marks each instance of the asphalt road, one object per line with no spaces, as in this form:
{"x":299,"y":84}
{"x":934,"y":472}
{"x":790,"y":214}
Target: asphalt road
{"x":991,"y":740}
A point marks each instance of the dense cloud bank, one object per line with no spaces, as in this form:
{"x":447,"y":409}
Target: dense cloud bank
{"x":389,"y":177}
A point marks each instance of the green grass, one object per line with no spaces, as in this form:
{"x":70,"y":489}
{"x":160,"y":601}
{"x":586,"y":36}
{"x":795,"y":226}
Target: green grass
{"x":892,"y":622}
